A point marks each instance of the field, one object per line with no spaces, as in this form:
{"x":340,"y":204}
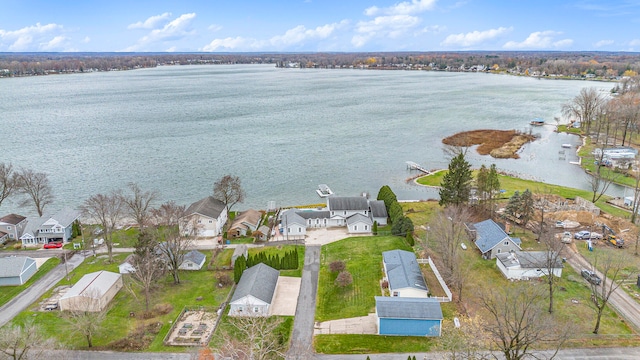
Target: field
{"x":8,"y":292}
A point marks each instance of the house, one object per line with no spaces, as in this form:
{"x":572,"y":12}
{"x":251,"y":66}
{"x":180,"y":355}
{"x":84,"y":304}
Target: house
{"x":262,"y":234}
{"x":254,"y":292}
{"x":92,"y":292}
{"x":193,"y":260}
{"x":617,"y":157}
{"x":127,"y":266}
{"x":293,"y":226}
{"x":16,"y":270}
{"x":524,"y":265}
{"x":240,"y":250}
{"x":12,"y":225}
{"x":408,"y":316}
{"x":359,"y":223}
{"x":491,"y":239}
{"x":4,"y":237}
{"x":404,"y":274}
{"x":245,"y":223}
{"x":378,"y":212}
{"x":342,"y":207}
{"x":46,"y":229}
{"x":204,"y":218}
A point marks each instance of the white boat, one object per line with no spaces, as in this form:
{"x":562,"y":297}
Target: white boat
{"x":566,"y":146}
{"x":324,"y":191}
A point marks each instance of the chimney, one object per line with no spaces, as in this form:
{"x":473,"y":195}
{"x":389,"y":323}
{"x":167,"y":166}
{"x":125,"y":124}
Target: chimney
{"x":507,"y":227}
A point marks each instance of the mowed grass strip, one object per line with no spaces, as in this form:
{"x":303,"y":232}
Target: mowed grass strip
{"x":371,"y":344}
{"x":281,"y":250}
{"x":9,"y":292}
{"x":363,"y":259}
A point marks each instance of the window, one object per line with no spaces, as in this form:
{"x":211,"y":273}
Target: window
{"x":355,"y":227}
{"x":255,"y":309}
{"x":199,"y":221}
{"x":299,"y":229}
{"x":506,"y":243}
{"x":395,"y":293}
{"x":240,"y":309}
{"x":345,"y":212}
{"x":288,"y":230}
{"x":499,"y":251}
{"x":8,"y":227}
{"x":210,"y":221}
{"x":332,"y":213}
{"x":366,"y":227}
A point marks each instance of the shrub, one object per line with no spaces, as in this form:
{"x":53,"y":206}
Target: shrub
{"x":385,"y":284}
{"x":17,"y":246}
{"x":337,"y":266}
{"x":410,"y":239}
{"x":224,"y":279}
{"x":344,"y":279}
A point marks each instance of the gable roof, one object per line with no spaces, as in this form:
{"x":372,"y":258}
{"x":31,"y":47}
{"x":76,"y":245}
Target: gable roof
{"x":403,"y":270}
{"x":489,"y":234}
{"x":208,"y":206}
{"x":250,"y":216}
{"x":528,"y":260}
{"x":378,"y":209}
{"x":258,"y":281}
{"x":14,"y":265}
{"x":408,"y":308}
{"x":66,"y":216}
{"x":195,"y":256}
{"x":356,"y":218}
{"x":12,"y":219}
{"x":93,"y":285}
{"x":290,"y":217}
{"x":347,"y":203}
{"x":313,"y":214}
{"x":33,"y":224}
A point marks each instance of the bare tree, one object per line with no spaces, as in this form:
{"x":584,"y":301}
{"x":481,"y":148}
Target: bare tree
{"x":584,"y":106}
{"x":229,"y":190}
{"x":107,"y":210}
{"x":8,"y":181}
{"x":83,"y":321}
{"x":554,"y":252}
{"x":258,"y":339}
{"x":168,"y":214}
{"x":517,"y":322}
{"x":35,"y":186}
{"x":173,"y":244}
{"x":22,"y":342}
{"x":613,"y":273}
{"x":138,"y":203}
{"x":466,"y":342}
{"x":149,"y":268}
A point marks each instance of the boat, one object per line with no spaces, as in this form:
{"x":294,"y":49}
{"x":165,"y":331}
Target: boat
{"x":537,"y":122}
{"x":324,"y":191}
{"x":566,"y":146}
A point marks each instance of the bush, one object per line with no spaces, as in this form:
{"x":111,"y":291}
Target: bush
{"x":385,"y":284}
{"x":17,"y":246}
{"x":344,"y":279}
{"x":337,"y":266}
{"x":224,"y":279}
{"x":410,"y":239}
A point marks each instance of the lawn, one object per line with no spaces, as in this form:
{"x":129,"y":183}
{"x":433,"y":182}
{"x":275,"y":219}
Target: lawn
{"x":9,"y":292}
{"x":371,"y":344}
{"x":226,"y":329}
{"x":272,"y":250}
{"x":363,"y":259}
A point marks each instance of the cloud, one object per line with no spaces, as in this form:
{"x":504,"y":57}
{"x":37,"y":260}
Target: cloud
{"x":214,"y":27}
{"x":230,"y":43}
{"x":32,"y":38}
{"x":539,"y":40}
{"x":634,"y":42}
{"x":474,"y":37}
{"x":602,"y":43}
{"x":152,"y":22}
{"x":86,"y":39}
{"x":55,"y":43}
{"x":392,"y":26}
{"x":404,"y":8}
{"x":176,"y":29}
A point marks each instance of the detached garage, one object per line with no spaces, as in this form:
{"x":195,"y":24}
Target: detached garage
{"x":92,"y":292}
{"x":408,"y":316}
{"x":16,"y":270}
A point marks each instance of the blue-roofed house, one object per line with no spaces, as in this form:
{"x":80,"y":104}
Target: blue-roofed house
{"x":408,"y":316}
{"x":254,"y":293}
{"x":491,"y":239}
{"x":193,"y":260}
{"x":403,"y":274}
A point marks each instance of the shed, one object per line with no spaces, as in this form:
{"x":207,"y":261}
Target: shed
{"x":16,"y":270}
{"x":92,"y":292}
{"x":523,"y":265}
{"x":404,"y":274}
{"x":193,"y":260}
{"x":127,"y":266}
{"x":254,"y":292}
{"x":408,"y":316}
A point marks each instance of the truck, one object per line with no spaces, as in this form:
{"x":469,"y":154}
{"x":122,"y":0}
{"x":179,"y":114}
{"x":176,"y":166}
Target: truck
{"x":611,"y":238}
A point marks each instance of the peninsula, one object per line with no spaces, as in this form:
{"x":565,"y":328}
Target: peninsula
{"x":500,"y":144}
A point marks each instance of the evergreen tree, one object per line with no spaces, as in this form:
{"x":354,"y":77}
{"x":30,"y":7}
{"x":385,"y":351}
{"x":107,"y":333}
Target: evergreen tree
{"x":410,"y":239}
{"x":481,"y":182}
{"x":456,"y":183}
{"x":375,"y":228}
{"x":513,"y":206}
{"x":238,"y":268}
{"x":526,"y":207}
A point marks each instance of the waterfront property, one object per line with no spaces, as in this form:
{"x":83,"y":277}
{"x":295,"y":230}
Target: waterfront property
{"x":403,"y":274}
{"x":16,"y":270}
{"x":245,"y":222}
{"x":204,"y":218}
{"x":12,"y":225}
{"x":491,"y":239}
{"x":49,"y":228}
{"x":408,"y":316}
{"x":92,"y":292}
{"x":524,"y":265}
{"x":254,"y":293}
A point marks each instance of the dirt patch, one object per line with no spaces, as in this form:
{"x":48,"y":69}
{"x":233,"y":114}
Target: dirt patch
{"x":138,"y":339}
{"x":500,"y":144}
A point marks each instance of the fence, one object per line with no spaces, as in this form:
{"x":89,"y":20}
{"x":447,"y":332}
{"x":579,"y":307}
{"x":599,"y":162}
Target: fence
{"x":440,"y":280}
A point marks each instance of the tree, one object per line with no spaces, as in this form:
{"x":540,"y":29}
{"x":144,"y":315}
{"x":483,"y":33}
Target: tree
{"x":554,"y":252}
{"x":456,"y":183}
{"x":8,"y":181}
{"x":35,"y":186}
{"x":612,"y":274}
{"x":173,"y":246}
{"x":25,"y":342}
{"x":138,"y":203}
{"x":526,"y":208}
{"x":149,"y":268}
{"x":468,"y":341}
{"x":229,"y":190}
{"x":238,"y":268}
{"x":402,"y":226}
{"x":513,"y":206}
{"x":516,"y":321}
{"x":585,"y":107}
{"x":257,"y":338}
{"x":344,"y":279}
{"x":84,"y":322}
{"x":107,"y":210}
{"x":168,"y":214}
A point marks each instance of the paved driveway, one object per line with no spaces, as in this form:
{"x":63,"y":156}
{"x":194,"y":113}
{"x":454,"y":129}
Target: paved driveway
{"x":285,"y":298}
{"x":357,"y":325}
{"x":324,"y":236}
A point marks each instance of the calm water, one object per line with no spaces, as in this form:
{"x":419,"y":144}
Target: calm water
{"x":283,"y":131}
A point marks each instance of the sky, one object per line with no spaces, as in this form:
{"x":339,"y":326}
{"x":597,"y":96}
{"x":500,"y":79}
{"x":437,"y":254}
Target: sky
{"x":318,"y":25}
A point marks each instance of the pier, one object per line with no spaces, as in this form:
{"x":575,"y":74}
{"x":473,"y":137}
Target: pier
{"x":415,"y":166}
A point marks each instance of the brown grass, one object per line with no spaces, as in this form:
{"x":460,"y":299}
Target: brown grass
{"x":497,"y":143}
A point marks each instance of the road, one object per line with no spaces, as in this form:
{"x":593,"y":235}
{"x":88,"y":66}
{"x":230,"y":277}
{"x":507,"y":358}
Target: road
{"x":22,"y":301}
{"x":620,"y":301}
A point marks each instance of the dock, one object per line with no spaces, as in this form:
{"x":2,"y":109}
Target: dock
{"x":415,"y":166}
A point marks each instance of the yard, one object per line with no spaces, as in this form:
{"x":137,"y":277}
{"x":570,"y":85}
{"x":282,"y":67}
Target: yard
{"x":8,"y":292}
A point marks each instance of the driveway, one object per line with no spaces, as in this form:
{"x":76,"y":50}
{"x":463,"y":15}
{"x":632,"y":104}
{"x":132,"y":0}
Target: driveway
{"x":285,"y":298}
{"x":357,"y":325}
{"x":324,"y":236}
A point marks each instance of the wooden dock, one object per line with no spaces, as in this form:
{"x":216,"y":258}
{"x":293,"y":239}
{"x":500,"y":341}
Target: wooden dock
{"x":415,"y":166}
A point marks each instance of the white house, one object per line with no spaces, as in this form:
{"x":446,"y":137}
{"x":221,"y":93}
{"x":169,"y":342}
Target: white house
{"x":359,"y":223}
{"x":204,"y":218}
{"x":49,"y":228}
{"x":13,"y":225}
{"x":293,"y":226}
{"x":378,"y":212}
{"x":92,"y":292}
{"x":254,"y":293}
{"x":193,"y":260}
{"x":342,"y":207}
{"x":404,"y":274}
{"x":524,"y":265}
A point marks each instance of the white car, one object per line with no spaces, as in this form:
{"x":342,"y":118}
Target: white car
{"x":595,"y":235}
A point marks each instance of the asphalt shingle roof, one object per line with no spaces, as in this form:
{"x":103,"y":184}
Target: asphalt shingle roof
{"x":258,"y":281}
{"x":403,"y":270}
{"x":489,"y":234}
{"x":208,"y":206}
{"x":66,"y":216}
{"x":14,"y":265}
{"x":528,"y":259}
{"x":355,"y":203}
{"x":195,"y":256}
{"x":408,"y":308}
{"x":378,"y":209}
{"x":12,"y":219}
{"x":355,"y":218}
{"x":290,"y":217}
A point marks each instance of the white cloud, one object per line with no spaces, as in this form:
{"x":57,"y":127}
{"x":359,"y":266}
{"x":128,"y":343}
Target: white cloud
{"x":300,"y":34}
{"x":392,"y":26}
{"x":54,"y":44}
{"x":152,"y":22}
{"x":474,"y":37}
{"x":31,"y":37}
{"x":214,"y":27}
{"x":602,"y":43}
{"x":539,"y":40}
{"x":236,"y":43}
{"x":634,"y":42}
{"x":403,"y":8}
{"x":86,"y":39}
{"x":174,"y":30}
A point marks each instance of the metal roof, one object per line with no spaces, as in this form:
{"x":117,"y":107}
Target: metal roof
{"x":408,"y":308}
{"x":93,"y":285}
{"x":258,"y":281}
{"x":403,"y":270}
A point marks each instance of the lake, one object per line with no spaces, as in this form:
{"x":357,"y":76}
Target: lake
{"x":177,"y":129}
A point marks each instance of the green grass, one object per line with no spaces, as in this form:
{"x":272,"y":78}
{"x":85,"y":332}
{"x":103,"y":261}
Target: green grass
{"x":371,"y":344}
{"x":363,"y":258}
{"x":225,"y":328}
{"x":9,"y":292}
{"x":272,"y":250}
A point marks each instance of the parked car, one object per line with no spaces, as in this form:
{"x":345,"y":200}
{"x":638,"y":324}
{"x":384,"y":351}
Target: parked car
{"x":559,"y":224}
{"x":591,"y":277}
{"x":53,"y":245}
{"x":582,"y":235}
{"x":595,"y":235}
{"x":566,"y":237}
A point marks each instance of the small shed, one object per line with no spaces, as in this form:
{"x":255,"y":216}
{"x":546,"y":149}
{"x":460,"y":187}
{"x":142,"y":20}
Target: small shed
{"x":254,"y":293}
{"x":16,"y":270}
{"x":193,"y":260}
{"x":240,"y":250}
{"x":127,"y":266}
{"x":92,"y":292}
{"x":408,"y":316}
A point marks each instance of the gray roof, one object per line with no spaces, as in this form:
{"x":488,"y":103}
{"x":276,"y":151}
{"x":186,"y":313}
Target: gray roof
{"x":12,"y":219}
{"x":528,"y":259}
{"x":195,"y":256}
{"x":208,"y":206}
{"x":313,"y":214}
{"x":33,"y":224}
{"x":489,"y":234}
{"x":355,"y":218}
{"x":93,"y":285}
{"x":378,"y":209}
{"x":14,"y":265}
{"x":240,"y":250}
{"x":403,"y":270}
{"x":66,"y":216}
{"x":347,"y":203}
{"x":291,"y":216}
{"x":258,"y":281}
{"x":408,"y":308}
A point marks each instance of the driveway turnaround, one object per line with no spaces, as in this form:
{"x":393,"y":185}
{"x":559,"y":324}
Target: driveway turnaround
{"x":356,"y":325}
{"x":285,"y":299}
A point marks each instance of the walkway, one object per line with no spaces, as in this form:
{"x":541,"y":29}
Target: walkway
{"x":357,"y":325}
